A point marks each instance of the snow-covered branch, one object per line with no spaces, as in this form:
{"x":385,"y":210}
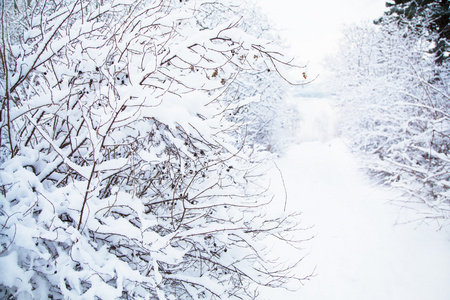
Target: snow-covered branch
{"x":130,"y":163}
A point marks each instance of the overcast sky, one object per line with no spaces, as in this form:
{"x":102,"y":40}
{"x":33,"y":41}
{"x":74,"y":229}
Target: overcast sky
{"x":313,"y":26}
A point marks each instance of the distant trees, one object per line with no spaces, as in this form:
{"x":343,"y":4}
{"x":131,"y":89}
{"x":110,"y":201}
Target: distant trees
{"x":395,"y":103}
{"x":123,"y":172}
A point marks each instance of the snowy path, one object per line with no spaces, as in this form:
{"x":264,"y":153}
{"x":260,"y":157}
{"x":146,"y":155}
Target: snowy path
{"x":359,"y":253}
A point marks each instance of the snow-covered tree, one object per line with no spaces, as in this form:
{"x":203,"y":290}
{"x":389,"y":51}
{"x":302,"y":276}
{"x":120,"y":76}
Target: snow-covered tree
{"x":122,"y":173}
{"x":437,"y":27}
{"x":395,"y":109}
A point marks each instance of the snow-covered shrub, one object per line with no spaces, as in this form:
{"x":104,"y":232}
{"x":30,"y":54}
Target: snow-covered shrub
{"x":395,"y":104}
{"x":121,"y":174}
{"x":259,"y":89}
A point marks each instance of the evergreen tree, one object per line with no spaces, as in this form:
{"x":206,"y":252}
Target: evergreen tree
{"x":434,"y":21}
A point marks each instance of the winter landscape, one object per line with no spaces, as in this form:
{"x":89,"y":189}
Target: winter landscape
{"x":179,"y":149}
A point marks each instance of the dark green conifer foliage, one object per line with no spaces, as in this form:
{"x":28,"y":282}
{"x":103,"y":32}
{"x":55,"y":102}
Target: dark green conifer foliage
{"x":436,"y":12}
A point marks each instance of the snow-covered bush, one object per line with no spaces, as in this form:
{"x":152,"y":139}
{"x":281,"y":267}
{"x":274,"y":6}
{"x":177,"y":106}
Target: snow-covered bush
{"x":122,"y":174}
{"x":259,"y":89}
{"x":395,"y":103}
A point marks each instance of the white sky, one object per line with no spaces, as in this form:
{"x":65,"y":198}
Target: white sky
{"x":312,"y":27}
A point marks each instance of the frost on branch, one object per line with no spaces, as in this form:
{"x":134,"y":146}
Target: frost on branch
{"x":122,"y":174}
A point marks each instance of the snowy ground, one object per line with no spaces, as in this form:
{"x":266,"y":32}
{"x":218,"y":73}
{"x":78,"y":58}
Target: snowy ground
{"x":360,"y":250}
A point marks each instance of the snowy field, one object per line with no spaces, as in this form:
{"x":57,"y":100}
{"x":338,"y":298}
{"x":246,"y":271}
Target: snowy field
{"x":362,"y":248}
